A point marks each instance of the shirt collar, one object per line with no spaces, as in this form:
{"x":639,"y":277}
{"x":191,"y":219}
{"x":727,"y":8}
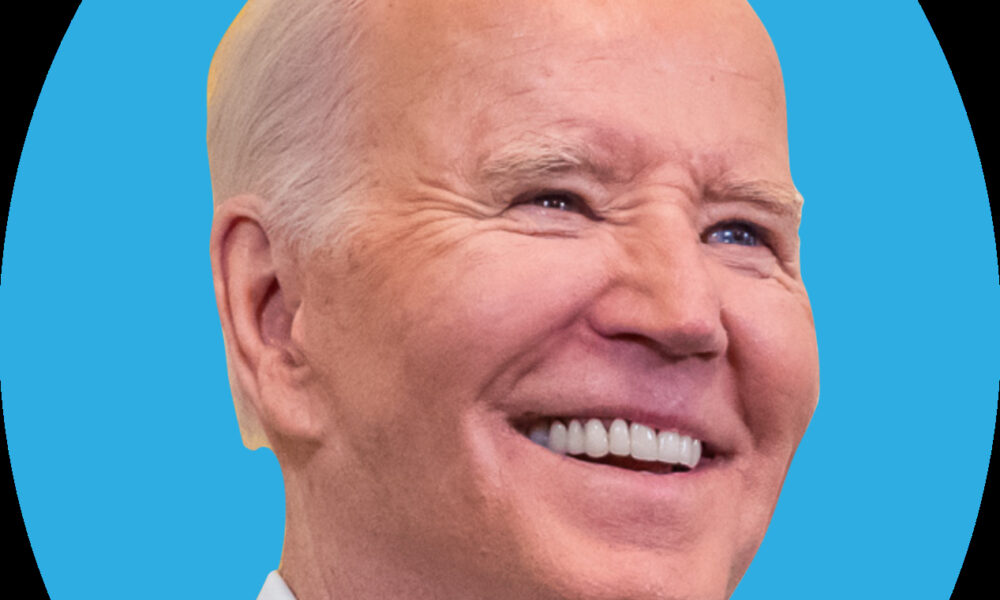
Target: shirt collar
{"x":275,"y":588}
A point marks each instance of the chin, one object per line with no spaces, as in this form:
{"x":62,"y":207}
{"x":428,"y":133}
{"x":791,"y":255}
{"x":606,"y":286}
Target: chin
{"x":619,"y":574}
{"x":618,"y":529}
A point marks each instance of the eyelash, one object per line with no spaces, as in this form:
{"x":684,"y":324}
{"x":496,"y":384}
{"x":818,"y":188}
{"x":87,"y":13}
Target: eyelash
{"x":758,"y":234}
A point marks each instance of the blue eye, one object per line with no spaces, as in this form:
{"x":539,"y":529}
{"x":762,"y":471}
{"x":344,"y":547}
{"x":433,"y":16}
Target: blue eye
{"x":734,"y":232}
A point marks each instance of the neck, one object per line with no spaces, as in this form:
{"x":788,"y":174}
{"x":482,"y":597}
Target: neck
{"x":321,"y":560}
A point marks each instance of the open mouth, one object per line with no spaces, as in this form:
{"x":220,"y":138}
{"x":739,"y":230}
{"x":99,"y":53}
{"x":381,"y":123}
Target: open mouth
{"x":618,"y":443}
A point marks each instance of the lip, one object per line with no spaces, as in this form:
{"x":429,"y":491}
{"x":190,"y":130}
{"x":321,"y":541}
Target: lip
{"x":628,"y":506}
{"x":593,"y":503}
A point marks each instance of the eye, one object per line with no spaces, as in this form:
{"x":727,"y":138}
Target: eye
{"x":739,"y":233}
{"x":556,"y":200}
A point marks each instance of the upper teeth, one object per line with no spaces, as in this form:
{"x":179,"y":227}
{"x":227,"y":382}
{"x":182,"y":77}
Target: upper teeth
{"x":621,"y":439}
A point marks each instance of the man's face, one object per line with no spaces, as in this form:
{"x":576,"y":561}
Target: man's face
{"x":580,"y":210}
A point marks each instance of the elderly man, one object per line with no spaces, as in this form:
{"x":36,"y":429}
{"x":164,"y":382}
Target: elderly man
{"x":512,"y":291}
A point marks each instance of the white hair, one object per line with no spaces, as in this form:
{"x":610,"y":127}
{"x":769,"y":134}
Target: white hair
{"x":282,"y":126}
{"x":282,"y":94}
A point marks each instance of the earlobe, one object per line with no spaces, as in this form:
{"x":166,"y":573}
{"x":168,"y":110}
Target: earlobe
{"x":267,"y":369}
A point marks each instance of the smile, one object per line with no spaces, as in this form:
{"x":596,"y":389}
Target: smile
{"x":618,"y":443}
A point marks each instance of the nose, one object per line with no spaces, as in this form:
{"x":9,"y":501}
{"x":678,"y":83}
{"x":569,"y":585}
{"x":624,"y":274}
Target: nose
{"x":662,"y":294}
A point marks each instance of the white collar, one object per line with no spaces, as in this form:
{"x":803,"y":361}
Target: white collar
{"x":275,"y":588}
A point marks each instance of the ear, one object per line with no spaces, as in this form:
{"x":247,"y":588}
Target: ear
{"x":258,"y":306}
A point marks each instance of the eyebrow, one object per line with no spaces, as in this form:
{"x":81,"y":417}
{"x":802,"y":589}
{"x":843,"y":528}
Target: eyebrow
{"x":776,"y":198}
{"x":534,"y":157}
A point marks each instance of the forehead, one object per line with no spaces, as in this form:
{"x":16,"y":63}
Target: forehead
{"x":634,"y":82}
{"x":440,"y":39}
{"x":440,"y":23}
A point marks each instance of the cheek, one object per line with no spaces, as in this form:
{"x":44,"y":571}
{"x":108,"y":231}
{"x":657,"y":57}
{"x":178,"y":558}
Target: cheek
{"x":772,"y":353}
{"x":496,"y":299}
{"x":772,"y":348}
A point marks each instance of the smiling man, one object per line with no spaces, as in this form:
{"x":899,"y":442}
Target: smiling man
{"x":512,"y":291}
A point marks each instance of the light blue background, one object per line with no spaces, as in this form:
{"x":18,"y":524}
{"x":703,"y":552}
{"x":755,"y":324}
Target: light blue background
{"x":123,"y":439}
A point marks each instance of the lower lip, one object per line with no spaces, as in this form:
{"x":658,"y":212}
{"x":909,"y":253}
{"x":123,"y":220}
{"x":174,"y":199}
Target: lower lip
{"x":577,"y":501}
{"x":612,"y":505}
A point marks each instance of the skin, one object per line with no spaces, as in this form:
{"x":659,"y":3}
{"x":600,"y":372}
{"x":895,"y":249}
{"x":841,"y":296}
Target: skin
{"x":478,"y":291}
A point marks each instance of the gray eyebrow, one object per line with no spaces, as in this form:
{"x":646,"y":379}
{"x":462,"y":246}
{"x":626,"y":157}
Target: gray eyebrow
{"x":776,"y":198}
{"x":532,"y":157}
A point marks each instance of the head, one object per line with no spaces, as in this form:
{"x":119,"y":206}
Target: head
{"x":442,"y":227}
